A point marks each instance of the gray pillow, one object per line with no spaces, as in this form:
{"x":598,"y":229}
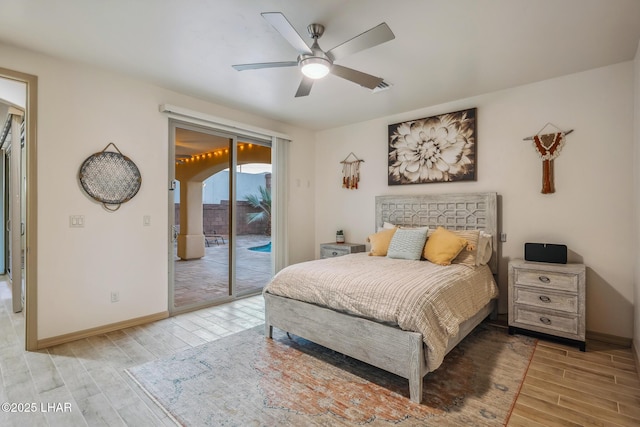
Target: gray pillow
{"x":407,"y":243}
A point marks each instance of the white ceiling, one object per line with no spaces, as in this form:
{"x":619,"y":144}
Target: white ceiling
{"x":444,"y":49}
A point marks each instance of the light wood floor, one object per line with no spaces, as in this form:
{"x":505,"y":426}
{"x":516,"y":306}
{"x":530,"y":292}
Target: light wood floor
{"x":88,"y":375}
{"x":564,"y":387}
{"x":567,"y":387}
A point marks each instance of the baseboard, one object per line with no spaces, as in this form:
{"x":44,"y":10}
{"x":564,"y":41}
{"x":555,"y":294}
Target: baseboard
{"x":73,"y":336}
{"x":609,"y":339}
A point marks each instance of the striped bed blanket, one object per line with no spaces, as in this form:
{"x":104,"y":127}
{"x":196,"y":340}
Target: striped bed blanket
{"x":416,"y":296}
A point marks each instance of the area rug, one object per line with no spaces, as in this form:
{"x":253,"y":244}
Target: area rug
{"x":248,"y":380}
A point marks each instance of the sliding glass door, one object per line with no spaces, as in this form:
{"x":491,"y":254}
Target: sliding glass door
{"x":252,"y":217}
{"x":220,"y":217}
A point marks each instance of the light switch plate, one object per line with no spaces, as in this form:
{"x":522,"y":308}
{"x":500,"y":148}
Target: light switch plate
{"x":76,"y":221}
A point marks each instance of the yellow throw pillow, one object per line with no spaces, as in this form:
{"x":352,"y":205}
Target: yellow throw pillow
{"x":443,"y":246}
{"x":380,"y":241}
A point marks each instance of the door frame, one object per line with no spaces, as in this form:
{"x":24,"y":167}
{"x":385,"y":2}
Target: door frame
{"x":280,"y":178}
{"x":30,"y":251}
{"x":233,"y":140}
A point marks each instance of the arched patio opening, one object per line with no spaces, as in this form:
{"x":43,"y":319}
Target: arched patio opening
{"x":191,"y":172}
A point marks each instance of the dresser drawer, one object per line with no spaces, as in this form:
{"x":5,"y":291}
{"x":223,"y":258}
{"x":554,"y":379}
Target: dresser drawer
{"x":333,"y":252}
{"x":550,"y":300}
{"x":547,"y":279}
{"x":524,"y":316}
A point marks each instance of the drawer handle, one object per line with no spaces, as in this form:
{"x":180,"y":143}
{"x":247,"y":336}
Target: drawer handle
{"x":545,"y":320}
{"x":544,"y":298}
{"x":334,"y":253}
{"x":544,"y":279}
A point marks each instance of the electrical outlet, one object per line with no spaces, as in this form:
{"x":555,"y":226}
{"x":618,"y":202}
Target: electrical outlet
{"x":115,"y":296}
{"x":503,"y":237}
{"x":146,"y":220}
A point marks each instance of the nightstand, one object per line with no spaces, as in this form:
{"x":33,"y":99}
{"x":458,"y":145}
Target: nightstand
{"x":548,"y":299}
{"x":330,"y":250}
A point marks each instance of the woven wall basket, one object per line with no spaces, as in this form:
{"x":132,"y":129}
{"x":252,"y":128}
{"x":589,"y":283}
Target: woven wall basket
{"x":110,"y":177}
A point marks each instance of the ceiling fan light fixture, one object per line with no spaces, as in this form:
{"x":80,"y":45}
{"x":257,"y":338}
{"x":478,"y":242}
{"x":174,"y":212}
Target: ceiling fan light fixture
{"x":314,"y":62}
{"x":315,"y":67}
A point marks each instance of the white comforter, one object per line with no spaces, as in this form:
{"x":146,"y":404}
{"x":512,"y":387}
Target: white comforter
{"x":415,"y":295}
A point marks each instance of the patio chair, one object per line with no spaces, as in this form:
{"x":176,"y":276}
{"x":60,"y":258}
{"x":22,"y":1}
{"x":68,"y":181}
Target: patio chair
{"x":215,"y":237}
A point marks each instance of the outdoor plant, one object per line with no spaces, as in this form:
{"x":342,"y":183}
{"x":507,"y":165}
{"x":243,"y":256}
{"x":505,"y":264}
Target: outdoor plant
{"x":262,"y":202}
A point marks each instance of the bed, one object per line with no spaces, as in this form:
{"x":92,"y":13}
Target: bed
{"x":399,"y":344}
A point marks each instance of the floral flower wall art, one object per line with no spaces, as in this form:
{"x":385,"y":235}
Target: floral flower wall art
{"x":434,"y":149}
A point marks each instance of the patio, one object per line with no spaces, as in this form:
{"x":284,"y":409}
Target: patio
{"x":207,"y":279}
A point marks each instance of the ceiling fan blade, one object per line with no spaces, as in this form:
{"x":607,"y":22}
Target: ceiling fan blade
{"x":363,"y":79}
{"x":242,"y":67}
{"x":370,"y":38}
{"x":286,"y":30}
{"x":305,"y":87}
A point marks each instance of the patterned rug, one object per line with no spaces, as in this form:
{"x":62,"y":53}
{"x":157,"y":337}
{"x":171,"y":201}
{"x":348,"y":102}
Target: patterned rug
{"x":247,"y":380}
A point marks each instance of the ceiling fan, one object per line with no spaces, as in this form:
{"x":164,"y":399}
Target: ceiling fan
{"x":316,"y":63}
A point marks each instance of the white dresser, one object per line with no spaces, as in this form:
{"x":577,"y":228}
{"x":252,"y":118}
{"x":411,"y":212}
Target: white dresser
{"x":330,"y":250}
{"x":548,"y":299}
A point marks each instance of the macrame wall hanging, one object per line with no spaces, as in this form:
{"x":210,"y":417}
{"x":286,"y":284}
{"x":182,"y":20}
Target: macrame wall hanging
{"x":351,"y":171}
{"x":548,"y":146}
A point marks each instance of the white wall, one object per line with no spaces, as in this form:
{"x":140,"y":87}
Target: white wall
{"x":80,"y":110}
{"x":216,"y":187}
{"x":591,"y":211}
{"x":13,"y":92}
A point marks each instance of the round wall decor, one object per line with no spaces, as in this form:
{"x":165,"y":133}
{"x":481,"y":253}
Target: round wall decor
{"x":110,"y":178}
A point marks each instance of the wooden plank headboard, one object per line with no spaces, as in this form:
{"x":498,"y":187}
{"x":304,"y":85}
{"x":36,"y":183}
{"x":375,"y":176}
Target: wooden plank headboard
{"x":462,"y":211}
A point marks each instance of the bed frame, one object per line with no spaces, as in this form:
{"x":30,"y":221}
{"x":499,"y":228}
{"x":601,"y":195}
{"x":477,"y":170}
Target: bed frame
{"x":381,"y":345}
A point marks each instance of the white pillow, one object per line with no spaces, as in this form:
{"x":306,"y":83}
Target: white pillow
{"x":485,"y":248}
{"x":407,"y":243}
{"x":386,"y":226}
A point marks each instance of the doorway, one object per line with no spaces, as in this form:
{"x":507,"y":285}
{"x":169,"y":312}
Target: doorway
{"x":18,"y":105}
{"x":12,"y":144}
{"x":220,"y":216}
